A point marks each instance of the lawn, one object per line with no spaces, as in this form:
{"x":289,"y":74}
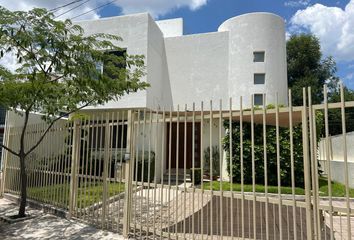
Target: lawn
{"x":338,"y":189}
{"x":59,"y":193}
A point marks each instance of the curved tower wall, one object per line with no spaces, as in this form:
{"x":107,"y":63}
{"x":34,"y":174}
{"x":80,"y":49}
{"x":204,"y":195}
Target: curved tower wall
{"x":257,"y":32}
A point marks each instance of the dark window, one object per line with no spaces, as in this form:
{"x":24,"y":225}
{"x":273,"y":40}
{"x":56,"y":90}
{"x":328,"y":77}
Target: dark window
{"x":258,"y":56}
{"x":118,"y":59}
{"x":258,"y":99}
{"x":118,"y":139}
{"x":259,"y":78}
{"x":2,"y":115}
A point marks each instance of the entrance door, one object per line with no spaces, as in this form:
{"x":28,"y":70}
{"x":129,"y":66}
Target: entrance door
{"x":183,"y":134}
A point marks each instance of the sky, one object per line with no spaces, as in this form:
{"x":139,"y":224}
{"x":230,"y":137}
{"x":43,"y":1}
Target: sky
{"x":332,"y":21}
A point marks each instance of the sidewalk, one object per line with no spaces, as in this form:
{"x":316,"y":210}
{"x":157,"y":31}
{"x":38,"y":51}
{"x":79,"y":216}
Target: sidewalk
{"x":47,"y":226}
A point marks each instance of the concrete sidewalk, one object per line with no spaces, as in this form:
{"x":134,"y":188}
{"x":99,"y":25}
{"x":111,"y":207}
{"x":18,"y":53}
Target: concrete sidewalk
{"x":47,"y":226}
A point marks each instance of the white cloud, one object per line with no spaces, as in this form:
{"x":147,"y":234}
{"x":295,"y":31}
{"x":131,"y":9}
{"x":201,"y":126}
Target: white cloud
{"x":158,"y":7}
{"x":332,"y":25}
{"x":297,"y":4}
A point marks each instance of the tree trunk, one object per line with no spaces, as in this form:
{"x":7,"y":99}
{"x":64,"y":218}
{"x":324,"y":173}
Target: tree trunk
{"x":23,"y":197}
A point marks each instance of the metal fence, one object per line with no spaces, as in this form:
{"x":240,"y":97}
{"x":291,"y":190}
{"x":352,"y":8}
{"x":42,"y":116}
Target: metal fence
{"x":194,"y":173}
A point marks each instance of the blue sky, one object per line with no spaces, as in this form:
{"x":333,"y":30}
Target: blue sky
{"x":331,"y":20}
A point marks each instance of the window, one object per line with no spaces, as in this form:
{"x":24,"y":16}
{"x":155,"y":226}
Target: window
{"x":259,"y":78}
{"x":118,"y":58}
{"x":258,"y":99}
{"x":2,"y":115}
{"x":258,"y":56}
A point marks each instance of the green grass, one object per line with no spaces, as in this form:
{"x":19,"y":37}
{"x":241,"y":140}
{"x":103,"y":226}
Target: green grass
{"x":86,"y":196}
{"x":338,"y":189}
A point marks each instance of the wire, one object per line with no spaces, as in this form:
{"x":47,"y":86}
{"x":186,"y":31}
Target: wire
{"x":72,"y":8}
{"x":94,"y":9}
{"x":65,"y":5}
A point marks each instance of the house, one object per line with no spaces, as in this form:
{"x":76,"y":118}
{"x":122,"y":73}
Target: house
{"x":246,"y":57}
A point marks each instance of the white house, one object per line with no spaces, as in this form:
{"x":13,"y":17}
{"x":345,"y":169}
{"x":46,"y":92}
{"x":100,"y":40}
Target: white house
{"x":247,"y":55}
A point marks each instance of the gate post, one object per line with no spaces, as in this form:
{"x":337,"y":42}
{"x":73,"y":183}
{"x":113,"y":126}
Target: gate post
{"x":307,"y":177}
{"x":107,"y":152}
{"x":129,"y":168}
{"x":75,"y":155}
{"x":5,"y":154}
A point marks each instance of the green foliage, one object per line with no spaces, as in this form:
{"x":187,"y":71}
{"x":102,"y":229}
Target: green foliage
{"x":335,"y":115}
{"x":308,"y":68}
{"x":284,"y":143}
{"x":142,"y":166}
{"x":57,"y":63}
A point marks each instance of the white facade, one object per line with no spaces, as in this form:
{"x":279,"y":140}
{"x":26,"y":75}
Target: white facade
{"x":187,"y":69}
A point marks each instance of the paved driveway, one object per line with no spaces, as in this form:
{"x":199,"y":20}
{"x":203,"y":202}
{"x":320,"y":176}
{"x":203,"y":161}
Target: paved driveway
{"x":47,"y":226}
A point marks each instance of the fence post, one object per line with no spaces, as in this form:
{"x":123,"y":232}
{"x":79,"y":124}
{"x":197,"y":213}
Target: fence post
{"x":107,"y":148}
{"x":6,"y":140}
{"x":75,"y":156}
{"x":307,"y":177}
{"x":129,"y":168}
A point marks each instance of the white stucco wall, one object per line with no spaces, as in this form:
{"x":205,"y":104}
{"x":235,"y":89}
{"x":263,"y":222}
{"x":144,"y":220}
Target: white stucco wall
{"x":133,"y":29}
{"x":198,"y":69}
{"x":171,"y":27}
{"x":201,"y":67}
{"x":336,"y":157}
{"x":256,"y":32}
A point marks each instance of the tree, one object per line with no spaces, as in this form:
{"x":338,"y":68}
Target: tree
{"x":57,"y":72}
{"x":307,"y":68}
{"x":335,"y":115}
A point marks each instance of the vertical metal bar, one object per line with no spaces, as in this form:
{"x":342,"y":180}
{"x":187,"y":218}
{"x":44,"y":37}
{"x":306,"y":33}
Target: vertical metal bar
{"x":278,"y":168}
{"x":163,"y":137}
{"x":253,"y":170}
{"x":105,"y":170}
{"x":265,"y":166}
{"x":242,"y":172}
{"x":149,"y":168}
{"x":169,"y":173}
{"x":155,"y":171}
{"x":313,"y":159}
{"x":74,"y":160}
{"x":193,"y":167}
{"x":231,"y":171}
{"x":292,"y":166}
{"x":169,"y":169}
{"x":307,"y":178}
{"x":345,"y":157}
{"x":211,"y":166}
{"x":221,"y":169}
{"x":128,"y":175}
{"x":142,"y":175}
{"x":329,"y":182}
{"x":136,"y":171}
{"x":202,"y":167}
{"x":184,"y":171}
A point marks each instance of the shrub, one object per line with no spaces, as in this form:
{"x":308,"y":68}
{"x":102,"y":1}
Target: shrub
{"x":285,"y":158}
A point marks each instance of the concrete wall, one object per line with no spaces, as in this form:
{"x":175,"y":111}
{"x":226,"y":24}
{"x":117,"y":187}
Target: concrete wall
{"x":171,"y":27}
{"x":336,"y":157}
{"x":198,"y":68}
{"x":134,"y":31}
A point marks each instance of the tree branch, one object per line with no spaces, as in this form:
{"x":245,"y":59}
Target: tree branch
{"x":51,"y":125}
{"x":8,"y":149}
